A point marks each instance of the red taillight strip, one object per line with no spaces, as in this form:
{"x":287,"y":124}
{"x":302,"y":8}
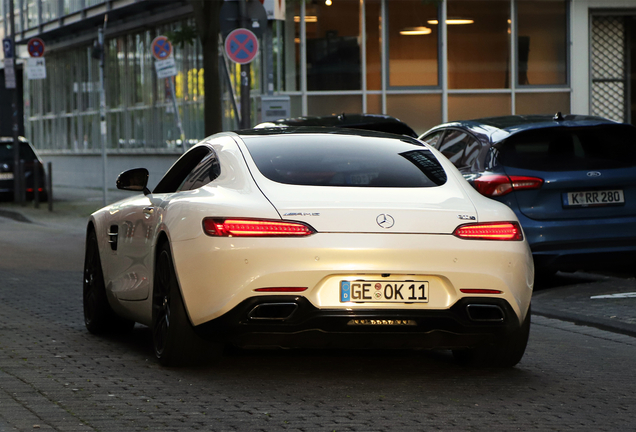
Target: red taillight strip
{"x":281,"y":289}
{"x":480,"y":291}
{"x":255,"y":228}
{"x":490,"y":231}
{"x":500,"y":185}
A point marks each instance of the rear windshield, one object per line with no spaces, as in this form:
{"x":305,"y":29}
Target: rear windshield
{"x":6,"y":153}
{"x":336,"y":160}
{"x":571,"y":149}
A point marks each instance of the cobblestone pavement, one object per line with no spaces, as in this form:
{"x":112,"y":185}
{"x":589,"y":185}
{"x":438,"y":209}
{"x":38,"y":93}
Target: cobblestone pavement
{"x":54,"y":375}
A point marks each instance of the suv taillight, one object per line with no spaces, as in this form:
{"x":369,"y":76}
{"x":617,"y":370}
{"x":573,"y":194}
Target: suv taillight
{"x":499,"y":185}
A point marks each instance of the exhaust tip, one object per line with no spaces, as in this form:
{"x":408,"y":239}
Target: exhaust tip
{"x":272,"y":311}
{"x":485,"y":313}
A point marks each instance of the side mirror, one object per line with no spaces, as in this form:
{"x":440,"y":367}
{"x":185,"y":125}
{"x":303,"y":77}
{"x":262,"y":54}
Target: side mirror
{"x":135,"y":179}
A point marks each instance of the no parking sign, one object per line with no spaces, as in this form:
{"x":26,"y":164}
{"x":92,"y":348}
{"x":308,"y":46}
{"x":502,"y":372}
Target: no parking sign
{"x":241,"y":46}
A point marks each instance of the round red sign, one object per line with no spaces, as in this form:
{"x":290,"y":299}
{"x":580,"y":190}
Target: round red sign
{"x":241,"y":46}
{"x":35,"y":47}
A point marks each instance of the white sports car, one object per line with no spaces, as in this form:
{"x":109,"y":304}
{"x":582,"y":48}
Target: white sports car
{"x":316,"y":237}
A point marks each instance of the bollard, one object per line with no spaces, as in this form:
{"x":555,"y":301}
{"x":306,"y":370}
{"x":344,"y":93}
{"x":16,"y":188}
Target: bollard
{"x":49,"y":184}
{"x":36,"y":183}
{"x":22,"y":183}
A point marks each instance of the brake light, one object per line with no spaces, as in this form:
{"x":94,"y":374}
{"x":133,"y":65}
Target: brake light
{"x":255,"y":228}
{"x":490,"y":231}
{"x":281,"y":289}
{"x":499,"y":185}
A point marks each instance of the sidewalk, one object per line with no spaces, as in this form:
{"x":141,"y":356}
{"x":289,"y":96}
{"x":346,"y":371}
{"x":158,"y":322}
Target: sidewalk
{"x":603,"y":301}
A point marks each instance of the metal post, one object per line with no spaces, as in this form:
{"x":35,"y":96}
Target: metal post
{"x":102,"y":107}
{"x":22,"y":182}
{"x":246,"y":75}
{"x":177,"y":115}
{"x":49,"y":185}
{"x":36,"y":183}
{"x":14,"y":114}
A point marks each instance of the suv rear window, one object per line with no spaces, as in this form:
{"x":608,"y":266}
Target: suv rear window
{"x":571,"y":149}
{"x":337,"y":160}
{"x":6,"y":152}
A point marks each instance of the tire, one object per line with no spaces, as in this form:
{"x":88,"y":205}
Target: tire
{"x":174,"y":340}
{"x":506,"y":352}
{"x":99,"y":317}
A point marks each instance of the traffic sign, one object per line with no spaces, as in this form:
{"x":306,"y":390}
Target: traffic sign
{"x":166,"y":68}
{"x":35,"y":47}
{"x":161,"y":48}
{"x":36,"y":68}
{"x":7,"y":47}
{"x":241,"y":46}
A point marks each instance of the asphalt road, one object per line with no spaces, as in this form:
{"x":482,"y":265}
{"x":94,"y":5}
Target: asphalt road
{"x":54,"y":375}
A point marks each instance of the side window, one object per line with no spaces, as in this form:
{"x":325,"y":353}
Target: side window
{"x":175,"y":176}
{"x":433,"y":138}
{"x":456,"y":144}
{"x":205,"y":172}
{"x":471,"y":152}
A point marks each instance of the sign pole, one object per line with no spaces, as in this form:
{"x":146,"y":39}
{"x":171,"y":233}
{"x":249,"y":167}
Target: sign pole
{"x":246,"y":75}
{"x":177,"y":115}
{"x":17,"y":196}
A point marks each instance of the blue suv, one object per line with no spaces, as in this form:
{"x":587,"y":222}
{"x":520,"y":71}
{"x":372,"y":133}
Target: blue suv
{"x":571,"y":180}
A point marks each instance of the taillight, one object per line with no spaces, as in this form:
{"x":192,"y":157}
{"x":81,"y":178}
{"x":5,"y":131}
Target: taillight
{"x":489,"y":231}
{"x":499,"y":185}
{"x":255,"y":228}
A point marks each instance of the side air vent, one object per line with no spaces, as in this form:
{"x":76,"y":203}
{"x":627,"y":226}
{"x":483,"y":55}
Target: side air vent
{"x":112,"y":236}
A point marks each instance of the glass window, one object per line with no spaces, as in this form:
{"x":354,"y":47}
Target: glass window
{"x":433,"y":138}
{"x":412,"y":43}
{"x":464,"y":107}
{"x":373,"y":26}
{"x":478,"y":44}
{"x":333,"y":46}
{"x":542,"y":103}
{"x":205,"y":172}
{"x":571,"y":149}
{"x":346,"y":160}
{"x":453,"y":145}
{"x":175,"y":176}
{"x":327,"y":105}
{"x":420,"y":111}
{"x":542,"y":42}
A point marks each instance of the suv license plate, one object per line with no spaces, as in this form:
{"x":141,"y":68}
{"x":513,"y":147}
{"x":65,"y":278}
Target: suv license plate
{"x":595,"y":198}
{"x":6,"y":176}
{"x":383,"y":291}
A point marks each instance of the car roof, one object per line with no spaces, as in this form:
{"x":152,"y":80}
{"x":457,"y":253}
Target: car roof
{"x":500,"y":128}
{"x":296,"y":130}
{"x":374,"y":122}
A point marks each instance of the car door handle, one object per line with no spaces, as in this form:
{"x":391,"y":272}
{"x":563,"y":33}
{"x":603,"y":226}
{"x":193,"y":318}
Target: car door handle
{"x":148,"y":211}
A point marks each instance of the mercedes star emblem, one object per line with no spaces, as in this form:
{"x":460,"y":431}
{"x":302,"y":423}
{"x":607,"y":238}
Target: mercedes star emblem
{"x":385,"y":220}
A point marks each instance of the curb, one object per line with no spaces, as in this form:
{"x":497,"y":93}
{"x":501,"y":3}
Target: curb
{"x":599,"y":323}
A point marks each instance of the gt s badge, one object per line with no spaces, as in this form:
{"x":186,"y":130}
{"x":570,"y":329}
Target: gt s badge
{"x":466,"y":217}
{"x":301,"y":214}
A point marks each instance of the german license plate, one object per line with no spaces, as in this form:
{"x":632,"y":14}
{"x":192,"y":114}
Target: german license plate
{"x":595,"y":198}
{"x":6,"y":176}
{"x":384,"y":291}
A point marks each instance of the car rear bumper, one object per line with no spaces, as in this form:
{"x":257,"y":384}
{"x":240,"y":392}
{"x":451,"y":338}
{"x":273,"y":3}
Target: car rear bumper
{"x":293,"y":322}
{"x":575,"y":244}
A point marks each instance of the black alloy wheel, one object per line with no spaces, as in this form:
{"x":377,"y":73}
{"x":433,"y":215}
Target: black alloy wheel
{"x":174,"y":340}
{"x":98,"y":315}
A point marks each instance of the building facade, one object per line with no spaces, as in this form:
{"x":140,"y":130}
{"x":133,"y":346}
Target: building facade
{"x":423,"y":61}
